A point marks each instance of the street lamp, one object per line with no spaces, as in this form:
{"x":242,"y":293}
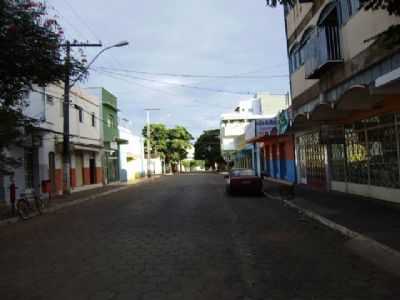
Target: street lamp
{"x":117,"y":45}
{"x":147,"y":110}
{"x":67,"y":88}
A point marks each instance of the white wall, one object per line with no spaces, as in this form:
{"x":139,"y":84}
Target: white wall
{"x":271,"y":105}
{"x":134,"y":149}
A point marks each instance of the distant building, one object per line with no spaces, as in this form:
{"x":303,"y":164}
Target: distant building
{"x":132,"y":161}
{"x":240,"y":125}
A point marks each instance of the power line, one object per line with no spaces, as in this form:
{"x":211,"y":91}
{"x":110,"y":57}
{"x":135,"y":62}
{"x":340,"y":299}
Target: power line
{"x":194,"y":75}
{"x":213,"y":90}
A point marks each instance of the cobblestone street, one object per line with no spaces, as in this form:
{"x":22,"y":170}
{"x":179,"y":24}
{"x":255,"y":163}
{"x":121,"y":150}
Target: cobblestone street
{"x":181,"y":237}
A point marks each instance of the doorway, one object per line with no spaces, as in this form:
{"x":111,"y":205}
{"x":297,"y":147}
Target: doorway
{"x":79,"y":168}
{"x":92,"y":170}
{"x":52,"y":172}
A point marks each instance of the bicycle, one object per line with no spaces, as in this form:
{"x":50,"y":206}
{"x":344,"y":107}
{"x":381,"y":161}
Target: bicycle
{"x":25,"y":207}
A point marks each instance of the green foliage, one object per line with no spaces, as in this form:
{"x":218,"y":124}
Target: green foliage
{"x":158,"y":140}
{"x":208,"y":148}
{"x":392,"y":6}
{"x":30,"y":54}
{"x":193,"y":164}
{"x":274,"y":3}
{"x":170,"y":143}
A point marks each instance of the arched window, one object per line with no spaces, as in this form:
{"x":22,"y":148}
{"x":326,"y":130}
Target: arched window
{"x":304,"y":39}
{"x":347,"y":9}
{"x":294,"y":58}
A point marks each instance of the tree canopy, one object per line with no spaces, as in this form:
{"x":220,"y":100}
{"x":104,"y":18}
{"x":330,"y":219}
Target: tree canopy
{"x":169,"y":143}
{"x":208,"y":148}
{"x":30,"y":54}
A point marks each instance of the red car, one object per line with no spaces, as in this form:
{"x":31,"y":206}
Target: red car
{"x":243,"y":181}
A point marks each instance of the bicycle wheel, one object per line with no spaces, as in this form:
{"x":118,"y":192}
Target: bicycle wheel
{"x":40,"y":204}
{"x":23,"y":209}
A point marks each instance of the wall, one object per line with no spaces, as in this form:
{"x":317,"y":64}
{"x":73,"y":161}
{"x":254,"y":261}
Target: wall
{"x":276,"y":162}
{"x":109,"y":107}
{"x":296,"y":16}
{"x":363,"y":26}
{"x":271,"y":105}
{"x":131,"y":155}
{"x":358,"y":55}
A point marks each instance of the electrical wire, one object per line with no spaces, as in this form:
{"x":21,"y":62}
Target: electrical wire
{"x":182,"y":75}
{"x":182,"y":85}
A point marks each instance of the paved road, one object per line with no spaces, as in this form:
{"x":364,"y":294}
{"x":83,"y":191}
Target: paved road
{"x":181,"y":237}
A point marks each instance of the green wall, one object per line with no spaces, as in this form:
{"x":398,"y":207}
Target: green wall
{"x":109,"y":108}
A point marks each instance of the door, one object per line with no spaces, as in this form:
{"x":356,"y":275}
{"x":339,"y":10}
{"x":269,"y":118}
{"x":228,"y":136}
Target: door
{"x":92,"y":170}
{"x":282,"y":161}
{"x":52,"y":172}
{"x":301,"y":159}
{"x":79,"y":169}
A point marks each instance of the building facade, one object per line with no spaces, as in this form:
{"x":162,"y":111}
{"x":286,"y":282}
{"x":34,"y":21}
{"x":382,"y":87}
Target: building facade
{"x":132,"y":161}
{"x":344,"y":86}
{"x":110,"y":134}
{"x":250,"y":119}
{"x":42,"y":158}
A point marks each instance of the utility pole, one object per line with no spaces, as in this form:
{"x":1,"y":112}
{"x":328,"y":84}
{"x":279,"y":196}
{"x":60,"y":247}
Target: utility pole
{"x":67,"y":87}
{"x":148,"y":138}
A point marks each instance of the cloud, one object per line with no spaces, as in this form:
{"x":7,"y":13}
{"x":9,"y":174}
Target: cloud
{"x":181,"y":36}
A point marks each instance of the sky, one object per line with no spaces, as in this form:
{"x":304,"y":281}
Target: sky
{"x":169,"y":40}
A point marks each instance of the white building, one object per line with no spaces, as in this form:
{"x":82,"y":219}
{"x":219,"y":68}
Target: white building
{"x":240,"y":126}
{"x":132,"y":161}
{"x":42,"y":155}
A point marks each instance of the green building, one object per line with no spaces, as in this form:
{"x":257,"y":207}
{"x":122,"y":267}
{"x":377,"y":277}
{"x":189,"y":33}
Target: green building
{"x":110,"y":134}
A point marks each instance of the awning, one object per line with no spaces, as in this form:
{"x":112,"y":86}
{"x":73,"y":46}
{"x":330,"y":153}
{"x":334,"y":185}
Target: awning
{"x":121,"y":141}
{"x":85,"y":148}
{"x":388,"y":83}
{"x":357,"y":97}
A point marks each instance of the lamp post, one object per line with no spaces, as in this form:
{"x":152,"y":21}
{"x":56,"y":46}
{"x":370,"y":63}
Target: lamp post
{"x":67,"y":87}
{"x":147,"y":110}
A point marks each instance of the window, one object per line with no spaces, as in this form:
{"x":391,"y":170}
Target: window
{"x":80,"y":113}
{"x":110,"y":121}
{"x":294,"y":58}
{"x":348,"y":8}
{"x":49,"y":99}
{"x":303,"y":44}
{"x":28,"y":166}
{"x":93,"y":120}
{"x":61,"y":109}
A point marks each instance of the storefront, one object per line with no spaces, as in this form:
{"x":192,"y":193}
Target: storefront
{"x":367,"y":162}
{"x":311,"y":160}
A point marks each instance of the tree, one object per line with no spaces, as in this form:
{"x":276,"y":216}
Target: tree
{"x":389,"y":38}
{"x":158,"y":140}
{"x":208,"y":148}
{"x":30,"y":54}
{"x":169,"y":143}
{"x":178,"y":143}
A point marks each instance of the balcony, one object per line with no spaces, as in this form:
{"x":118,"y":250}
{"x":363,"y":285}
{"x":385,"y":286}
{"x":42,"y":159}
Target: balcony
{"x":322,"y":51}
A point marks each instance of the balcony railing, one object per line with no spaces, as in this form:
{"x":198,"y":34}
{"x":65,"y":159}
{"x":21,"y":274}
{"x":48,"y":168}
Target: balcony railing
{"x":322,"y":50}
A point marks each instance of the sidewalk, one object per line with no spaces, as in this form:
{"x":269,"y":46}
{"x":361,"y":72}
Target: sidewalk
{"x":371,"y":226}
{"x":58,"y":202}
{"x":373,"y":218}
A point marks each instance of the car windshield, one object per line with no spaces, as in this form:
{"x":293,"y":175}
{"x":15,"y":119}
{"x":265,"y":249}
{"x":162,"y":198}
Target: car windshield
{"x":243,"y":172}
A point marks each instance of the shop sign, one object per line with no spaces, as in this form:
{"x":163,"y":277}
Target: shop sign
{"x":331,"y":134}
{"x":265,"y":126}
{"x":283,"y":122}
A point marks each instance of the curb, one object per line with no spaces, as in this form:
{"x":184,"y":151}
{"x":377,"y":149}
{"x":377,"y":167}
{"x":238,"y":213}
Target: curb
{"x":14,"y":220}
{"x":379,"y":254}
